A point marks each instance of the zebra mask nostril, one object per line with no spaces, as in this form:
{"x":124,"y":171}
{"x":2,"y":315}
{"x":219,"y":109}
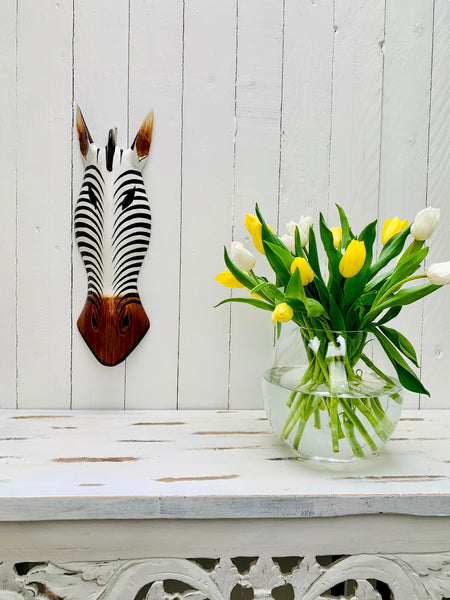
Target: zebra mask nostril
{"x":112,"y":224}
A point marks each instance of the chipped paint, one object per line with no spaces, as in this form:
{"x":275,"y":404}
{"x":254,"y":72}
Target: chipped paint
{"x":156,"y":423}
{"x":204,"y":478}
{"x":231,"y":432}
{"x":95,"y":459}
{"x":90,"y":484}
{"x":42,"y":417}
{"x":145,"y":441}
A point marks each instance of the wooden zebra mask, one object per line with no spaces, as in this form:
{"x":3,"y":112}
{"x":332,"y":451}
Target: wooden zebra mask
{"x":112,"y":227}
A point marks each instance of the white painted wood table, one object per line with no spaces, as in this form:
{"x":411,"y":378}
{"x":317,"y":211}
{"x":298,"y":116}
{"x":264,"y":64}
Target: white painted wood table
{"x":207,"y":504}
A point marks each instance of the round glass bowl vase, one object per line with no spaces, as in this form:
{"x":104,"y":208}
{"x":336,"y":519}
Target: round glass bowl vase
{"x":331,"y":395}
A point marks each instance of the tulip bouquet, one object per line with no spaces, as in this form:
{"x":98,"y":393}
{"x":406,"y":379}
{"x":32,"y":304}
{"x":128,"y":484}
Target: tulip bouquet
{"x":360,"y":292}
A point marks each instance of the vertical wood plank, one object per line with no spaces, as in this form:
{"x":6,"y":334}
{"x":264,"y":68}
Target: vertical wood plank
{"x":356,"y":112}
{"x":8,"y":151}
{"x":257,"y":160}
{"x":101,"y":90}
{"x":44,"y":95}
{"x":207,"y":186}
{"x":156,"y":38}
{"x":404,"y":144}
{"x":307,"y":93}
{"x":436,"y":323}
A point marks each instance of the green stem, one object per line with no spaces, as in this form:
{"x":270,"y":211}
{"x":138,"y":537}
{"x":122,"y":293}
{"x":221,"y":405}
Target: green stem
{"x":396,"y":287}
{"x":350,"y":434}
{"x":359,"y":426}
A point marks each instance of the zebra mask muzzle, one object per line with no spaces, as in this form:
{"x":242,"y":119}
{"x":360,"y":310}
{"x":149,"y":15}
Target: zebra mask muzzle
{"x":112,"y":227}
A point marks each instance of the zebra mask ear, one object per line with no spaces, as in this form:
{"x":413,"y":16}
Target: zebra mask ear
{"x":83,"y":133}
{"x":143,"y":138}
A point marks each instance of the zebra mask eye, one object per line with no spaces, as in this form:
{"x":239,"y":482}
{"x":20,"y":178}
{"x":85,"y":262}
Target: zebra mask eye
{"x":112,"y":229}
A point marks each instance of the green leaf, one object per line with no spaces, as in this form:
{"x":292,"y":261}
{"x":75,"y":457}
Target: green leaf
{"x":294,"y":288}
{"x":241,"y":276}
{"x":336,"y":316}
{"x":408,"y":265}
{"x":334,"y":258}
{"x":354,"y":286}
{"x":347,"y":234}
{"x":268,"y":289}
{"x":409,"y":295}
{"x":251,"y":301}
{"x":407,"y":377}
{"x":402,"y":298}
{"x":280,"y":259}
{"x":266,"y":234}
{"x":391,"y":314}
{"x":390,"y":250}
{"x":314,"y":308}
{"x":400,"y":341}
{"x":314,"y":255}
{"x":298,"y":243}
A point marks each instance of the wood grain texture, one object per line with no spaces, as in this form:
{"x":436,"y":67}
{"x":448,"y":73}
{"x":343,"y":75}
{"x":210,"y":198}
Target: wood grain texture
{"x":436,"y":323}
{"x":8,"y":178}
{"x":256,"y":180}
{"x":101,"y":90}
{"x":207,"y":188}
{"x":44,"y":123}
{"x":52,"y":461}
{"x":307,"y":110}
{"x":404,"y":143}
{"x":356,"y":110}
{"x":156,"y":52}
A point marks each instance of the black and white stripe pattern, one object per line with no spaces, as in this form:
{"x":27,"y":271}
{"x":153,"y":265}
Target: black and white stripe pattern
{"x":112,"y":223}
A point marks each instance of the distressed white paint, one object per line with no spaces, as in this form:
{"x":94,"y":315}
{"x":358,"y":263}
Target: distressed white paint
{"x":100,"y":70}
{"x":221,"y":76}
{"x":206,"y":198}
{"x":156,"y":52}
{"x":436,"y":324}
{"x":8,"y":162}
{"x":256,"y":179}
{"x":215,"y":484}
{"x":44,"y":125}
{"x":418,"y":576}
{"x":404,"y":143}
{"x":207,"y":464}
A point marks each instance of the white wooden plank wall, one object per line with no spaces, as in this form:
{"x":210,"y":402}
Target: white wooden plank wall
{"x":295,"y":104}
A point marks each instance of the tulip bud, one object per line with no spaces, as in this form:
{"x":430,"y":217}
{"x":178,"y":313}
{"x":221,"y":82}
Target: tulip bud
{"x":391,"y":227}
{"x":242,"y":258}
{"x":425,"y":223}
{"x":289,"y":242}
{"x":439,"y":273}
{"x":254,"y":227}
{"x":283,"y":313}
{"x":227,"y":279}
{"x":352,"y":261}
{"x":304,"y":225}
{"x":306,"y":272}
{"x":337,"y":235}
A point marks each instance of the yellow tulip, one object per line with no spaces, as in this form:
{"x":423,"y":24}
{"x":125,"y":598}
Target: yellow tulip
{"x":254,"y":227}
{"x":352,"y":261}
{"x":302,"y":265}
{"x":283,"y":313}
{"x":227,"y":279}
{"x":391,"y":227}
{"x":337,"y":235}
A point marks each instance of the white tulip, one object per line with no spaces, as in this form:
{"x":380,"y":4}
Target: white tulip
{"x":439,"y":273}
{"x":425,"y":223}
{"x":242,"y":258}
{"x":289,"y":242}
{"x":304,"y":225}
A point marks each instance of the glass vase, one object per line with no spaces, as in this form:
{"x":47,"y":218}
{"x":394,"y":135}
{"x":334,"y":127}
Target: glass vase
{"x":330,"y":395}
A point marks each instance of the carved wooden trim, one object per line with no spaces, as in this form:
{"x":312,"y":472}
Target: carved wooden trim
{"x":408,"y":577}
